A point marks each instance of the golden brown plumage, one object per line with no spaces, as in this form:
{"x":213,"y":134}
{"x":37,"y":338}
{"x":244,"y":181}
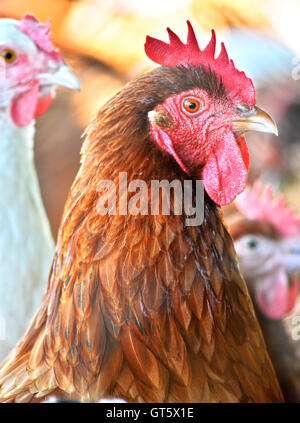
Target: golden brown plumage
{"x":140,"y":307}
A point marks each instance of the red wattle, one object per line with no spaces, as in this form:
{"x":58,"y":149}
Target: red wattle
{"x":226,"y":170}
{"x":271,"y":294}
{"x":293,"y":294}
{"x":27,"y":106}
{"x":42,"y":105}
{"x":244,"y":150}
{"x":275,"y":296}
{"x":23,"y":107}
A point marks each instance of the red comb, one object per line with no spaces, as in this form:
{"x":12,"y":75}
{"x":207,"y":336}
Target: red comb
{"x":39,"y":33}
{"x":176,"y":53}
{"x":258,"y":204}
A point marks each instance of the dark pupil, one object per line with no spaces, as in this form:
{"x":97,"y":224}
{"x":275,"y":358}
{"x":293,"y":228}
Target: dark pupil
{"x":8,"y":55}
{"x":192,"y":105}
{"x":252,"y":244}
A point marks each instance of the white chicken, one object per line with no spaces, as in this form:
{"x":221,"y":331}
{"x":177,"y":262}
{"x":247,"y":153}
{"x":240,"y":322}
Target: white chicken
{"x":266,"y":236}
{"x":31,"y":68}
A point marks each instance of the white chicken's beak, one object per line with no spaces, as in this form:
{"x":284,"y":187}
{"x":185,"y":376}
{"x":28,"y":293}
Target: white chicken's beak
{"x":290,"y":254}
{"x":254,"y":119}
{"x":64,"y":76}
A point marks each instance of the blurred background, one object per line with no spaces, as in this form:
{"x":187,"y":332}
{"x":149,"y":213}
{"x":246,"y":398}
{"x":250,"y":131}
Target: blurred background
{"x":103,"y":41}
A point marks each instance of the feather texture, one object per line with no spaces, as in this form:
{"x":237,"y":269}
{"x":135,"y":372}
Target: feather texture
{"x":139,"y":307}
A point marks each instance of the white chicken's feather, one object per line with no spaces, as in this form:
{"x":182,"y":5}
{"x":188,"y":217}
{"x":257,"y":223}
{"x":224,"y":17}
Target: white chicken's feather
{"x":26,"y":244}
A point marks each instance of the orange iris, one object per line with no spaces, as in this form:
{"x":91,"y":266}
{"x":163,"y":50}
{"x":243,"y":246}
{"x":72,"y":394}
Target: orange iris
{"x":191,"y":105}
{"x":8,"y":55}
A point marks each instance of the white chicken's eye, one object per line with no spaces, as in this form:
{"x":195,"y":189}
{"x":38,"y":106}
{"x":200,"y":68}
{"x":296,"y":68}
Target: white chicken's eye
{"x":8,"y":55}
{"x":252,"y":244}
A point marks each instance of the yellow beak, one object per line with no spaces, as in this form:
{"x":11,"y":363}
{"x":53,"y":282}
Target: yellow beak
{"x":254,"y":119}
{"x":64,"y":76}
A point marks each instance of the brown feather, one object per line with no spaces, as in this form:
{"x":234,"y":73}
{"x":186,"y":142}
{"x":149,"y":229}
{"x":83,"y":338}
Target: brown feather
{"x":140,"y":307}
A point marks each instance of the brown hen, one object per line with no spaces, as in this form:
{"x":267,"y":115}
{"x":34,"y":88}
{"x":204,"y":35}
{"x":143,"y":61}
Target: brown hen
{"x":144,"y":307}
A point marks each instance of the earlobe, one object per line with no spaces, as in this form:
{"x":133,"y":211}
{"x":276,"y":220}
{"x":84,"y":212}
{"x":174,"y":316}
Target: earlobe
{"x":165,"y":142}
{"x":160,"y":118}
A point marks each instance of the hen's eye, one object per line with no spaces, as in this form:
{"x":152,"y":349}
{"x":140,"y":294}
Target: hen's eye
{"x":8,"y":55}
{"x":252,"y":244}
{"x":191,"y":105}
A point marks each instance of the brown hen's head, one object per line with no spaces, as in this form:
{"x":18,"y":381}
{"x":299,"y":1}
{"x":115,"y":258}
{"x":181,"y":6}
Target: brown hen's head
{"x":202,"y":126}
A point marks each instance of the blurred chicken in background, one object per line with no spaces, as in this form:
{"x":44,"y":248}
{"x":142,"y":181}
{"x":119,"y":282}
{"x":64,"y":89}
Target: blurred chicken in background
{"x":267,"y":240}
{"x":32,"y":70}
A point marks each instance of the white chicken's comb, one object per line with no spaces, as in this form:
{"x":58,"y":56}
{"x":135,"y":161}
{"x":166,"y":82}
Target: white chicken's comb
{"x":260,"y":204}
{"x":39,"y":33}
